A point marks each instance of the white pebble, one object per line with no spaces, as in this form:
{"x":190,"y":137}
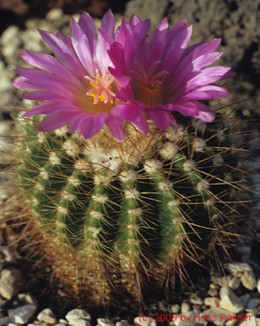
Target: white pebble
{"x":54,"y":14}
{"x":238,"y":267}
{"x":122,"y":323}
{"x":47,"y":316}
{"x":248,"y":280}
{"x":78,"y":317}
{"x":229,"y":300}
{"x":234,"y":283}
{"x":258,"y":286}
{"x":144,"y":321}
{"x":103,"y":322}
{"x":212,"y":301}
{"x":185,"y":307}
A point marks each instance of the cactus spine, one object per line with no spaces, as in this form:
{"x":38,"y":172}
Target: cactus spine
{"x":116,"y":216}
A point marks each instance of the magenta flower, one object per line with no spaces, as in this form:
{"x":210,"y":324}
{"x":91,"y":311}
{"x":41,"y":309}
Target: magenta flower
{"x":102,"y":77}
{"x":76,"y":86}
{"x":163,"y":74}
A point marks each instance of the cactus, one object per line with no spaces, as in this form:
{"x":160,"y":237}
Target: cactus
{"x":119,"y":195}
{"x":116,"y":217}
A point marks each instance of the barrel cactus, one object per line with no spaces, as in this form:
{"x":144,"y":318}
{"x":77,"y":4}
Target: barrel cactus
{"x":119,"y":195}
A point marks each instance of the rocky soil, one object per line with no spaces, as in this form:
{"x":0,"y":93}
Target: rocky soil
{"x":235,"y":291}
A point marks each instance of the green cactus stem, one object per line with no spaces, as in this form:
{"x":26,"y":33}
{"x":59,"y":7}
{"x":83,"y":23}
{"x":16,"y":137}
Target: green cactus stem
{"x":115,"y":216}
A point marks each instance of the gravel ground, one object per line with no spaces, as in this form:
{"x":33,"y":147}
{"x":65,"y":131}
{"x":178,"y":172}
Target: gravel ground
{"x":233,"y":292}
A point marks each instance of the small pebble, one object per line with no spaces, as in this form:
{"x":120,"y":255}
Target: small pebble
{"x":47,"y":316}
{"x":194,"y":299}
{"x":213,"y":292}
{"x":122,"y":323}
{"x":104,"y":322}
{"x":258,"y":286}
{"x":175,"y":309}
{"x":11,"y":282}
{"x":212,"y":302}
{"x":63,"y":321}
{"x":238,"y":267}
{"x":248,"y":280}
{"x":250,"y":322}
{"x":234,"y":283}
{"x":78,"y":317}
{"x":244,"y":299}
{"x":144,"y":321}
{"x":4,"y":321}
{"x":253,"y":303}
{"x":21,"y":315}
{"x":229,"y":300}
{"x":185,"y":307}
{"x":54,"y":14}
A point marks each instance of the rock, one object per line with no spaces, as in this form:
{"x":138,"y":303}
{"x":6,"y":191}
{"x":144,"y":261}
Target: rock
{"x":4,"y":321}
{"x":252,"y":304}
{"x":54,"y":14}
{"x":234,"y":283}
{"x":6,"y":82}
{"x":21,"y":315}
{"x":103,"y":322}
{"x":63,"y":321}
{"x":223,"y":281}
{"x":213,"y":292}
{"x":194,"y":299}
{"x":175,"y":309}
{"x":10,"y":35}
{"x":229,"y":301}
{"x":47,"y":316}
{"x":244,"y":299}
{"x":78,"y":317}
{"x":185,"y":307}
{"x":155,"y":9}
{"x":248,"y":280}
{"x":236,"y":268}
{"x":122,"y":323}
{"x":212,"y":302}
{"x":9,"y":253}
{"x":250,"y":322}
{"x":11,"y":282}
{"x":25,"y":298}
{"x":191,"y":318}
{"x":144,"y":321}
{"x":216,"y":315}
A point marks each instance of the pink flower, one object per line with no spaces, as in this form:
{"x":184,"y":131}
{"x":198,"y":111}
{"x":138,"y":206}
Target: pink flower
{"x":76,"y":86}
{"x":163,"y":75}
{"x":102,"y":77}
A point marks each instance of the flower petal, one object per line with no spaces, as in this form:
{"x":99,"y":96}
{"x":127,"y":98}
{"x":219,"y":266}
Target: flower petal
{"x":131,"y":113}
{"x":83,"y":47}
{"x":52,"y":108}
{"x":161,"y":118}
{"x":92,"y":125}
{"x":55,"y":121}
{"x":65,"y":53}
{"x":48,"y":63}
{"x":205,"y":93}
{"x":205,"y":113}
{"x":115,"y":126}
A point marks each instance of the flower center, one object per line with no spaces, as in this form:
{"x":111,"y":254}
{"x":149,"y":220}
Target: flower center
{"x":148,"y":83}
{"x":101,"y":88}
